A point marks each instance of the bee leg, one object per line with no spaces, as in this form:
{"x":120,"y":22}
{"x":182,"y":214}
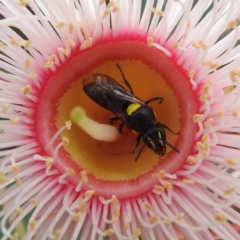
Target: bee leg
{"x":113,"y":119}
{"x":159,"y":99}
{"x":120,"y":128}
{"x":137,"y":143}
{"x":168,"y":128}
{"x":170,"y":145}
{"x":124,"y":79}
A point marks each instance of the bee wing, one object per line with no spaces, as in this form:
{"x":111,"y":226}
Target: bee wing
{"x":109,"y":94}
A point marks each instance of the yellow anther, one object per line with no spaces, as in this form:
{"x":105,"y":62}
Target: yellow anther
{"x":126,"y":223}
{"x":15,"y":169}
{"x":70,"y":28}
{"x":70,"y":171}
{"x":71,"y":43}
{"x":152,"y":9}
{"x":168,"y":185}
{"x":15,"y":42}
{"x":229,"y":89}
{"x":4,"y":107}
{"x":200,"y":146}
{"x":2,"y":44}
{"x":14,"y":120}
{"x":77,"y":217}
{"x":19,"y":211}
{"x":220,"y":113}
{"x":160,"y":13}
{"x":32,"y":75}
{"x":68,"y":125}
{"x":65,"y":141}
{"x":89,"y":193}
{"x":196,"y":45}
{"x":176,"y":45}
{"x":15,"y":236}
{"x":49,"y":162}
{"x":147,"y":206}
{"x":101,"y":2}
{"x":57,"y":234}
{"x":84,"y":176}
{"x":230,"y":190}
{"x":180,"y":216}
{"x":114,"y":200}
{"x":116,"y":211}
{"x":52,"y":57}
{"x":111,"y":4}
{"x":150,"y":41}
{"x":231,"y":162}
{"x":64,"y":51}
{"x":82,"y":206}
{"x":34,"y":202}
{"x":32,"y":225}
{"x":27,"y":63}
{"x":197,"y":117}
{"x":87,"y":43}
{"x":219,"y":217}
{"x":188,"y":181}
{"x":192,"y":160}
{"x":48,"y":64}
{"x":17,"y":181}
{"x":203,"y":45}
{"x":191,"y":73}
{"x":136,"y":233}
{"x":233,"y":75}
{"x":27,"y":44}
{"x":60,"y":24}
{"x":22,"y":3}
{"x":205,"y":137}
{"x":153,"y":219}
{"x":167,"y":221}
{"x":235,"y":113}
{"x":114,"y":9}
{"x":208,"y":123}
{"x":159,"y":189}
{"x":105,"y":13}
{"x":25,"y":90}
{"x":109,"y":232}
{"x":232,"y":24}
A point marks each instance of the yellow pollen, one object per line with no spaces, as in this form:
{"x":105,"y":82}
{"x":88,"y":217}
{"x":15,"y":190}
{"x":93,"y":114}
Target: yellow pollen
{"x":2,"y":45}
{"x":4,"y":107}
{"x":152,"y":9}
{"x":132,"y":108}
{"x":160,"y":13}
{"x":49,"y":162}
{"x":26,"y":89}
{"x":196,"y":45}
{"x":229,"y":89}
{"x":57,"y":234}
{"x":197,"y":117}
{"x":17,"y":180}
{"x":167,"y":221}
{"x":153,"y":219}
{"x":176,"y":45}
{"x":101,"y":2}
{"x":126,"y":223}
{"x":84,"y":176}
{"x":77,"y":217}
{"x":32,"y":225}
{"x":208,"y":123}
{"x":27,"y":44}
{"x":136,"y":233}
{"x":15,"y":42}
{"x":114,"y":8}
{"x":34,"y":202}
{"x":203,"y":45}
{"x":105,"y":13}
{"x":19,"y":211}
{"x":235,"y":113}
{"x":64,"y":51}
{"x":65,"y":141}
{"x":219,"y":217}
{"x":147,"y":206}
{"x":68,"y":125}
{"x":70,"y":171}
{"x":180,"y":216}
{"x":15,"y":169}
{"x":114,"y":200}
{"x":82,"y":206}
{"x":220,"y":113}
{"x":89,"y":193}
{"x":232,"y":24}
{"x":159,"y":189}
{"x":230,"y":190}
{"x":109,"y":232}
{"x":22,"y":3}
{"x":27,"y":63}
{"x":188,"y":181}
{"x":168,"y":185}
{"x":150,"y":41}
{"x":71,"y":43}
{"x":32,"y":75}
{"x":231,"y":162}
{"x":48,"y":64}
{"x":192,"y":160}
{"x":60,"y":24}
{"x":14,"y":120}
{"x":70,"y":28}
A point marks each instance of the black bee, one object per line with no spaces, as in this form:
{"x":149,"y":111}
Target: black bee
{"x":133,"y":112}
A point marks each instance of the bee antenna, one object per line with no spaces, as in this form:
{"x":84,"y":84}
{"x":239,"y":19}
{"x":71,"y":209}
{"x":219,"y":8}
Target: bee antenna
{"x":170,"y":145}
{"x":139,"y":153}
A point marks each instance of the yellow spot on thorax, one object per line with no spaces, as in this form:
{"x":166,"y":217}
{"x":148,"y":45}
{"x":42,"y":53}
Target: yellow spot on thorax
{"x":132,"y":108}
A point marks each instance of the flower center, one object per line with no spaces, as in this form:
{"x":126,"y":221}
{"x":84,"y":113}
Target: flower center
{"x":111,"y":165}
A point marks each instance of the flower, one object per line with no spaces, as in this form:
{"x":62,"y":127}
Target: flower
{"x":67,"y":184}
